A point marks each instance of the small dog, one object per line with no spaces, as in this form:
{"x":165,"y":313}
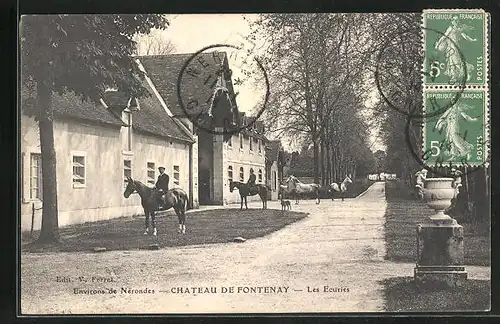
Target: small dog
{"x":285,"y":204}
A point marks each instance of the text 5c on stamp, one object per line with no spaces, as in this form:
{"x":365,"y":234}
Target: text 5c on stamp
{"x":455,"y":44}
{"x":459,"y":135}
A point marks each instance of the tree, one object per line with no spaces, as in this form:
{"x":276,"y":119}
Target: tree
{"x":315,"y":64}
{"x":396,"y":62}
{"x":83,"y":54}
{"x":380,"y":157}
{"x":154,"y":43}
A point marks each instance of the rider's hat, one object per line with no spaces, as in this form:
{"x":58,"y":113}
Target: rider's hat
{"x":251,"y":170}
{"x":160,"y":168}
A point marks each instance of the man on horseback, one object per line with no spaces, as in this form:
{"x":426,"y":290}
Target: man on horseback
{"x":251,"y":181}
{"x":161,"y":186}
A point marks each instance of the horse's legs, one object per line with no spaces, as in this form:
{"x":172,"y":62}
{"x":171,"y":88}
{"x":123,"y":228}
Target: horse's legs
{"x":317,"y":197}
{"x":178,"y":213}
{"x":181,"y":214}
{"x":241,"y":198}
{"x":182,"y":219}
{"x":153,"y":223}
{"x":246,"y":202}
{"x":146,"y":213}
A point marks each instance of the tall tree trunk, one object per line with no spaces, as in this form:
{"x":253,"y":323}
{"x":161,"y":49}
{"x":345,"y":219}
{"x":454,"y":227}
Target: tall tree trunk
{"x":335,"y":166}
{"x":49,"y":232}
{"x":328,"y":161}
{"x":323,"y":158}
{"x":316,"y":158}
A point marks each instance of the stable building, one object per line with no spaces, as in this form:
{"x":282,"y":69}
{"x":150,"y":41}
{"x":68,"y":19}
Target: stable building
{"x":97,"y":146}
{"x":199,"y":88}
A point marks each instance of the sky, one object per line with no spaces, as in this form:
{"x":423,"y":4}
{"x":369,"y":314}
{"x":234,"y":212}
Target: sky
{"x":191,"y":32}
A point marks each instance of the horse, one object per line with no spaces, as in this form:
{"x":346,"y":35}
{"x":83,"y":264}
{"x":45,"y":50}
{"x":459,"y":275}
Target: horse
{"x":299,"y":188}
{"x":342,"y":188}
{"x":245,"y":191}
{"x":175,"y":197}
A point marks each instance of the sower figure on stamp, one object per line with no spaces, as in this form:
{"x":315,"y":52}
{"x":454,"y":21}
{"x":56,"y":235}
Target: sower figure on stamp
{"x":162,"y":186}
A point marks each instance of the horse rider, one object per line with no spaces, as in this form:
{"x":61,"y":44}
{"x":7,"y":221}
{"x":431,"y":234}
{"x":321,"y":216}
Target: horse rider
{"x":162,"y":184}
{"x":251,"y":179}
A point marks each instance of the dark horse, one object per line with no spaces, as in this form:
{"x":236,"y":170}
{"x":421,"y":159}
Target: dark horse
{"x":176,"y":198}
{"x":245,"y":191}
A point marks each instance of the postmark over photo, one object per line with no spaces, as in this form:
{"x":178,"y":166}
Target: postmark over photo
{"x":448,"y":34}
{"x":458,"y":135}
{"x":206,"y":88}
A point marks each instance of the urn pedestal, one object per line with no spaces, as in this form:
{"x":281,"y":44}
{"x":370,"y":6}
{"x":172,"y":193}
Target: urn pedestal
{"x":440,"y":246}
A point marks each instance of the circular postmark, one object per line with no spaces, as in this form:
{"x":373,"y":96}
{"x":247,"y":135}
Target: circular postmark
{"x":406,"y":94}
{"x":202,"y":115}
{"x":441,"y":167}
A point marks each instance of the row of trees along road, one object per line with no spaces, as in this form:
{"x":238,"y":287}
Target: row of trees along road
{"x":84,"y":54}
{"x":320,"y":68}
{"x":334,"y":77}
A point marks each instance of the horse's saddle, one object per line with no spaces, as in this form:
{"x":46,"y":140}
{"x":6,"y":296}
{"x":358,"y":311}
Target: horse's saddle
{"x":161,"y":195}
{"x":253,"y":190}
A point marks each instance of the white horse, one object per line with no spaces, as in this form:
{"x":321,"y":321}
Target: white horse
{"x":342,"y":188}
{"x":299,"y":188}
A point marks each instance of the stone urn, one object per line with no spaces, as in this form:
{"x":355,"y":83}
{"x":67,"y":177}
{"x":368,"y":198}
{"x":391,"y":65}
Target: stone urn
{"x":438,"y":193}
{"x":440,"y":242}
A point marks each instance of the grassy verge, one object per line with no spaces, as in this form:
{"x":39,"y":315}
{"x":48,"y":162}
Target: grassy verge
{"x":203,"y":227}
{"x":401,"y":295}
{"x":403,"y":215}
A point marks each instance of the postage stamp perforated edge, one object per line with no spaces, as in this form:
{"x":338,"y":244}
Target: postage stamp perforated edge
{"x":486,"y":128}
{"x":486,"y":50}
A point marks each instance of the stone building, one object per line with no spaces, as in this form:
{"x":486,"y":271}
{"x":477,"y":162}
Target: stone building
{"x":201,"y":86}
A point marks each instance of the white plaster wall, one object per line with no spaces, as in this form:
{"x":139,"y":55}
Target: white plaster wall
{"x":102,"y":196}
{"x":245,"y":158}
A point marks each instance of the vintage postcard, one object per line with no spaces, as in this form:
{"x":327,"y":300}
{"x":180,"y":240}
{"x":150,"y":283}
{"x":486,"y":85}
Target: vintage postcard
{"x":254,"y":163}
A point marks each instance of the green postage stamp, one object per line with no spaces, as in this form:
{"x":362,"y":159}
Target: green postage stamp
{"x":455,"y":45}
{"x":456,"y":82}
{"x":460,"y":134}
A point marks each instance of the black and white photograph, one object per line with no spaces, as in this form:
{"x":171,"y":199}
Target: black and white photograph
{"x":237,"y":163}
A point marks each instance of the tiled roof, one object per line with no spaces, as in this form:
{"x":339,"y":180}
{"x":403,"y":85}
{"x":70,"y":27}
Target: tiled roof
{"x":70,"y":105}
{"x":255,"y":129}
{"x":152,"y":119}
{"x":164,"y":71}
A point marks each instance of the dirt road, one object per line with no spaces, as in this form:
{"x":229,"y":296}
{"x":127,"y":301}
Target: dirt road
{"x":332,"y":261}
